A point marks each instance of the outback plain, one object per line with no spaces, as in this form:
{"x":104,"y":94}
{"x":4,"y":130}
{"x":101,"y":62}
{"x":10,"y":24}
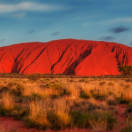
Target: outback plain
{"x":35,"y":103}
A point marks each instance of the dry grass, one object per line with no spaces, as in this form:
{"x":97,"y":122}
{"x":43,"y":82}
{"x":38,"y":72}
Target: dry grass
{"x":98,"y":125}
{"x":35,"y":89}
{"x":39,"y":91}
{"x":74,"y":89}
{"x":127,"y":94}
{"x":7,"y":101}
{"x":61,"y":108}
{"x":101,"y":93}
{"x":38,"y":113}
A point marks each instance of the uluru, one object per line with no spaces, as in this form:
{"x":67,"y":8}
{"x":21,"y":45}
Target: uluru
{"x":65,"y":56}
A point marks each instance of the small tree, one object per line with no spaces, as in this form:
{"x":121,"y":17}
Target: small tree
{"x":125,"y":70}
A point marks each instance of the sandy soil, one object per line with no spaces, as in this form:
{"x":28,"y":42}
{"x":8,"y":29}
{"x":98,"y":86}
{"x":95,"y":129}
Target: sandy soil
{"x":11,"y":125}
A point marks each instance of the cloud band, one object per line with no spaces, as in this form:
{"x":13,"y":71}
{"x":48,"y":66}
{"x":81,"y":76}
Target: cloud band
{"x":28,"y":6}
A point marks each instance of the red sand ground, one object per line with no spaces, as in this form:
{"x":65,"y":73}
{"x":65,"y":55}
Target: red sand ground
{"x":68,"y":56}
{"x":11,"y":125}
{"x":8,"y":124}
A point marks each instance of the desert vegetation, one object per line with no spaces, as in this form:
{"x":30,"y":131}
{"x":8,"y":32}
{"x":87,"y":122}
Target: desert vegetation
{"x":97,"y":104}
{"x":125,"y":70}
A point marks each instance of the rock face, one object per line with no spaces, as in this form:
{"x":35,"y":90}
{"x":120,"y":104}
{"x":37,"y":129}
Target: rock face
{"x":67,"y":56}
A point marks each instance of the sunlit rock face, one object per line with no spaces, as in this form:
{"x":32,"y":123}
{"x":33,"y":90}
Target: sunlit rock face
{"x":67,"y":56}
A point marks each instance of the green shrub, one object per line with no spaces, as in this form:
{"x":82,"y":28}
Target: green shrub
{"x":129,"y":108}
{"x":122,"y":100}
{"x":96,"y":94}
{"x":17,"y":91}
{"x":112,"y":102}
{"x":15,"y":88}
{"x":108,"y":118}
{"x":80,"y":119}
{"x":125,"y":70}
{"x":111,"y":120}
{"x":35,"y":97}
{"x":34,"y":77}
{"x":83,"y":95}
{"x":54,"y":121}
{"x":19,"y":112}
{"x":60,"y":88}
{"x":2,"y":111}
{"x":32,"y":124}
{"x":4,"y":89}
{"x":56,"y":86}
{"x":84,"y":119}
{"x":64,"y":92}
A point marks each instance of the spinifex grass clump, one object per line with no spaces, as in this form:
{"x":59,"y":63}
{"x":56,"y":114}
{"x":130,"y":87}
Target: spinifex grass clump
{"x":60,"y":88}
{"x":59,"y":115}
{"x":80,"y":119}
{"x":83,"y":95}
{"x":112,"y":101}
{"x":125,"y":97}
{"x":37,"y":114}
{"x":48,"y":114}
{"x":98,"y":94}
{"x":52,"y":90}
{"x":7,"y":104}
{"x":98,"y":121}
{"x":7,"y":101}
{"x":58,"y":120}
{"x":102,"y":120}
{"x":15,"y":88}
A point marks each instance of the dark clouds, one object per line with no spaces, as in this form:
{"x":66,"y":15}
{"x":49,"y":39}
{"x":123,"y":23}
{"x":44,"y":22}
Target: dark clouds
{"x":130,"y":44}
{"x":56,"y":33}
{"x":119,"y":29}
{"x":113,"y":33}
{"x":108,"y":38}
{"x":31,"y":31}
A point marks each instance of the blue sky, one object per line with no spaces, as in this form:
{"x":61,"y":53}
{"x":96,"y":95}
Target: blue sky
{"x":45,"y":20}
